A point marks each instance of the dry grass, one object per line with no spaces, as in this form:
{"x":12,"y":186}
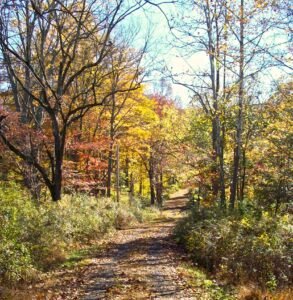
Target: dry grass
{"x":251,"y":292}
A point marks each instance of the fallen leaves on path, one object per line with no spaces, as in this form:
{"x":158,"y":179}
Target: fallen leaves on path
{"x":134,"y":263}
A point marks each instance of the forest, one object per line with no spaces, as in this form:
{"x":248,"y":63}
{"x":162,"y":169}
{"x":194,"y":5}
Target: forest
{"x":146,"y":149}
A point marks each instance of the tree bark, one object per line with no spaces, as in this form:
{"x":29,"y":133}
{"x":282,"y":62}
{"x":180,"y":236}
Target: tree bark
{"x":127,"y":181}
{"x":152,"y":180}
{"x":109,"y":171}
{"x":214,"y":54}
{"x":243,"y":177}
{"x":117,"y":175}
{"x":159,"y":188}
{"x":131,"y":189}
{"x":239,"y":124}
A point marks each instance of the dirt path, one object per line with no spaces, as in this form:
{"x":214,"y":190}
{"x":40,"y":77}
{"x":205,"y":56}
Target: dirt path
{"x":142,"y":262}
{"x":137,"y":263}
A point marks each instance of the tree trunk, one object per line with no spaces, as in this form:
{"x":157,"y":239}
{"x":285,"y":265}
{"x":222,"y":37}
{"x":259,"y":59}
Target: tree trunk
{"x":159,"y":188}
{"x":223,"y":127}
{"x":152,"y":179}
{"x":55,"y":191}
{"x":243,"y":177}
{"x":109,"y":171}
{"x":153,"y":195}
{"x":110,"y":157}
{"x":117,"y":175}
{"x":57,"y":178}
{"x":222,"y":170}
{"x":237,"y":150}
{"x":140,"y":189}
{"x":127,"y":181}
{"x":215,"y":168}
{"x":131,"y":189}
{"x":218,"y":182}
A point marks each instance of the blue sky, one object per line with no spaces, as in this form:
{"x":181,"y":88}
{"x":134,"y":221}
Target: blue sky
{"x":151,"y":22}
{"x":161,"y":53}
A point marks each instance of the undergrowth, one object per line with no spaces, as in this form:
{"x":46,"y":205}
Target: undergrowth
{"x":35,"y":237}
{"x":243,"y":247}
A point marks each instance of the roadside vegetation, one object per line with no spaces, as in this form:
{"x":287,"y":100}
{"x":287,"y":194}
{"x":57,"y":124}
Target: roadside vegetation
{"x":209,"y":288}
{"x":36,"y":237}
{"x":246,"y":247}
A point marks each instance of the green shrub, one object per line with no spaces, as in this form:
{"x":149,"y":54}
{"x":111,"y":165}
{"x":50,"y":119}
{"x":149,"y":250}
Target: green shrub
{"x":15,"y":261}
{"x":15,"y":258}
{"x":245,"y":247}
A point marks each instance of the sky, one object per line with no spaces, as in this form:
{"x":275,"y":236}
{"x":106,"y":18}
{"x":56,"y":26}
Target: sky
{"x":162,"y":55}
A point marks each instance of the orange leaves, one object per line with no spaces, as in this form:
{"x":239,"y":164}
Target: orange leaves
{"x":94,"y":146}
{"x":22,"y":134}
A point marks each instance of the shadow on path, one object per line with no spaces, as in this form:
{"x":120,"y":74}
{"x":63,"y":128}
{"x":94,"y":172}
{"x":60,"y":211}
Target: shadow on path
{"x":141,"y":262}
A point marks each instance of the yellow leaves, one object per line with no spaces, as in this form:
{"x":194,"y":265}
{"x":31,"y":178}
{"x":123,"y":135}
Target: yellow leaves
{"x":224,"y":46}
{"x":285,"y":219}
{"x":245,"y":223}
{"x":229,"y":18}
{"x":263,"y":239}
{"x":260,"y":4}
{"x":139,"y":133}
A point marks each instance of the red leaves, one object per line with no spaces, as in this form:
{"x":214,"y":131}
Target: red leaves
{"x":161,"y":103}
{"x":22,"y":135}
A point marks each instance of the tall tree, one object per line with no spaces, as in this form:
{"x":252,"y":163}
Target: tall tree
{"x":57,"y":55}
{"x":204,"y":35}
{"x":239,"y":121}
{"x":236,"y":44}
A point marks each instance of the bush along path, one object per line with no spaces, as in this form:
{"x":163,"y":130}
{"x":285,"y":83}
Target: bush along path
{"x":134,"y":263}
